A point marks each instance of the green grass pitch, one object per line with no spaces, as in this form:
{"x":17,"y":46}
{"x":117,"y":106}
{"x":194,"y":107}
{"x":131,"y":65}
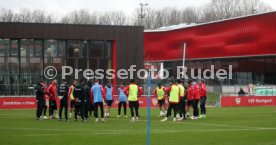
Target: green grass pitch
{"x":223,"y":126}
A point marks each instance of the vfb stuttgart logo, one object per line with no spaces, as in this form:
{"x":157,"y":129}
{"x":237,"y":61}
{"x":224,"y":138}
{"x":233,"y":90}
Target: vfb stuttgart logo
{"x":154,"y":101}
{"x":238,"y":101}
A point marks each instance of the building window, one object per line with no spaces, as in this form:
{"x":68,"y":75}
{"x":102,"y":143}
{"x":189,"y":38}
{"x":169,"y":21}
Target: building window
{"x":108,"y":49}
{"x":26,"y":47}
{"x":96,"y":49}
{"x":50,"y":48}
{"x":38,"y":45}
{"x":61,"y":48}
{"x":13,"y":51}
{"x":4,"y":46}
{"x":74,"y":48}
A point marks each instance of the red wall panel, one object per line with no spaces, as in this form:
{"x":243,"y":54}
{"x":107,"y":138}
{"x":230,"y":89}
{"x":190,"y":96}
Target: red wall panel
{"x":247,"y":36}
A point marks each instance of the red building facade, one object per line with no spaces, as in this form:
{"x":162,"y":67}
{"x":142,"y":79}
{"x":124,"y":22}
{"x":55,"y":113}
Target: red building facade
{"x":246,"y":43}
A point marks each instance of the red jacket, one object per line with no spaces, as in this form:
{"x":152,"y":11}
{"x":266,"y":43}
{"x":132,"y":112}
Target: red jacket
{"x":190,"y":93}
{"x":46,"y":92}
{"x":52,"y":92}
{"x":202,"y":90}
{"x":196,"y":91}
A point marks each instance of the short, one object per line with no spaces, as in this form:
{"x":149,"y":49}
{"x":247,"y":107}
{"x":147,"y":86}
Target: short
{"x":190,"y":102}
{"x":161,"y":102}
{"x":53,"y":104}
{"x":72,"y":104}
{"x":109,"y":102}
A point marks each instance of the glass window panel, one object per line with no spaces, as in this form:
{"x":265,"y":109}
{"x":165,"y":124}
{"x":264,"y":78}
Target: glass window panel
{"x":109,"y":64}
{"x":96,"y":49}
{"x":50,"y":48}
{"x":2,"y":66}
{"x":84,"y":46}
{"x":30,"y":63}
{"x":61,"y":48}
{"x":11,"y":77}
{"x":14,"y":48}
{"x":108,"y":49}
{"x":3,"y":84}
{"x":35,"y":66}
{"x":38,"y":48}
{"x":4,"y":46}
{"x":26,"y":47}
{"x":74,"y":48}
{"x":13,"y":65}
{"x":12,"y":87}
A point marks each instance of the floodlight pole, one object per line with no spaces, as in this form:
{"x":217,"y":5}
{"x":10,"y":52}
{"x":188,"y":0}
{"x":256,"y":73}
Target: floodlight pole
{"x":183,"y":58}
{"x":141,"y":16}
{"x":148,"y":107}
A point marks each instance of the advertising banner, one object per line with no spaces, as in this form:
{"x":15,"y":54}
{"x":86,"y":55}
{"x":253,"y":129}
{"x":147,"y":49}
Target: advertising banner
{"x":19,"y":102}
{"x":232,"y":101}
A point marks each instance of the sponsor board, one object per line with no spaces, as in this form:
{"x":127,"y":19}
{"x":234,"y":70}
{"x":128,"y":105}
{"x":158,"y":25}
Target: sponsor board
{"x":229,"y":101}
{"x":18,"y":102}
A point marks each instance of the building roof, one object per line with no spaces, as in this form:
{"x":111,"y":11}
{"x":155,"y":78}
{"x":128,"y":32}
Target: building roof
{"x":187,"y":25}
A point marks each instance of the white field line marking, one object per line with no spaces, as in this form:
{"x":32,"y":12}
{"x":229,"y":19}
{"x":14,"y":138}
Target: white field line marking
{"x":209,"y":124}
{"x":16,"y":115}
{"x":143,"y":132}
{"x":245,"y":113}
{"x":81,"y":130}
{"x":213,"y":130}
{"x":59,"y":129}
{"x":184,"y":122}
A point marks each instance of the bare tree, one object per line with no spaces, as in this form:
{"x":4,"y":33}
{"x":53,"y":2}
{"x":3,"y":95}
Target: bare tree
{"x":154,"y":18}
{"x":38,"y":16}
{"x":6,"y":15}
{"x":105,"y":19}
{"x":24,"y":15}
{"x":225,"y":9}
{"x":118,"y":18}
{"x":174,"y":16}
{"x":189,"y":15}
{"x":51,"y":18}
{"x":81,"y":16}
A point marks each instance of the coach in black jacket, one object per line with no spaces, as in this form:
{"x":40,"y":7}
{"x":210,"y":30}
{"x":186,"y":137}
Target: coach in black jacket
{"x":79,"y":96}
{"x":63,"y":90}
{"x":39,"y":99}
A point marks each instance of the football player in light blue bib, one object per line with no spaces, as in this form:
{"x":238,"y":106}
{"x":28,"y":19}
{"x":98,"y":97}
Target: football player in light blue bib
{"x":109,"y":98}
{"x":122,"y":100}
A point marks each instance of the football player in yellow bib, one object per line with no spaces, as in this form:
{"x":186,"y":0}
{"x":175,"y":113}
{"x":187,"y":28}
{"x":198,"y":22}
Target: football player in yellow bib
{"x":174,"y":91}
{"x":159,"y":93}
{"x":132,"y":92}
{"x":72,"y":98}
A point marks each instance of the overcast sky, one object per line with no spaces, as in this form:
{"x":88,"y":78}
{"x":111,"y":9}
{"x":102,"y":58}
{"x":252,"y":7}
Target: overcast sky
{"x":64,"y":6}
